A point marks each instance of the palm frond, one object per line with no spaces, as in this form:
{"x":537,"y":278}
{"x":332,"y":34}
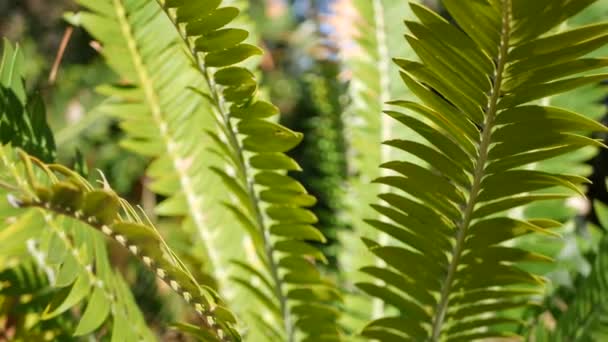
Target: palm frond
{"x":271,"y":205}
{"x":374,"y":81}
{"x":570,"y":253}
{"x":450,"y":276}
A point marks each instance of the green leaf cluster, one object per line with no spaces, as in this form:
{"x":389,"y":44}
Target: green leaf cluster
{"x":71,"y":196}
{"x":469,"y":122}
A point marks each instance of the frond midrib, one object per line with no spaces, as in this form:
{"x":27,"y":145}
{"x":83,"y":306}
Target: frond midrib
{"x":245,"y":174}
{"x":153,"y":102}
{"x":386,"y":124}
{"x":479,"y":173}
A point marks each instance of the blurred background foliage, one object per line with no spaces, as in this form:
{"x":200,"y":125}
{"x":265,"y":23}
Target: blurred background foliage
{"x":304,"y":72}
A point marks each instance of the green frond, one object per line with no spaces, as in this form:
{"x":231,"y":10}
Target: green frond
{"x":374,"y":81}
{"x":56,"y":190}
{"x":165,"y":119}
{"x":271,"y":205}
{"x":475,"y":81}
{"x":73,"y":259}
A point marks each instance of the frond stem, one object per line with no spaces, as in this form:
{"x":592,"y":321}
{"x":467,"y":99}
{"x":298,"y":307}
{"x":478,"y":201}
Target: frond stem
{"x":479,"y":173}
{"x":253,"y":197}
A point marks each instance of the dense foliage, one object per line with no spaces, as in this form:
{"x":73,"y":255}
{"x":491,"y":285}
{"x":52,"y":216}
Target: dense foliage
{"x":444,"y":146}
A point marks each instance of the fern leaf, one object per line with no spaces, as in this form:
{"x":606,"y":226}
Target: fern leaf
{"x":375,"y":81}
{"x":287,"y":260}
{"x":476,"y":121}
{"x":582,"y":100}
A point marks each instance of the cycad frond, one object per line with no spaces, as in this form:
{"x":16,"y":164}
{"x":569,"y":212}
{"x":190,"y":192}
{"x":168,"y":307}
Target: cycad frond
{"x":374,"y":81}
{"x":269,"y":204}
{"x":73,"y":258}
{"x":366,"y":49}
{"x":450,"y":277}
{"x":165,"y":119}
{"x":57,"y":190}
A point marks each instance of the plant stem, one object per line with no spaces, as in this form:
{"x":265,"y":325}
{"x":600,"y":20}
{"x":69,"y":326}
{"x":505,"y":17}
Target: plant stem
{"x":478,"y":175}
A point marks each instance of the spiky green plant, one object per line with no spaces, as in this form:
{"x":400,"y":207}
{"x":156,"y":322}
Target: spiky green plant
{"x":74,"y":259}
{"x":216,"y":106}
{"x":445,"y":269}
